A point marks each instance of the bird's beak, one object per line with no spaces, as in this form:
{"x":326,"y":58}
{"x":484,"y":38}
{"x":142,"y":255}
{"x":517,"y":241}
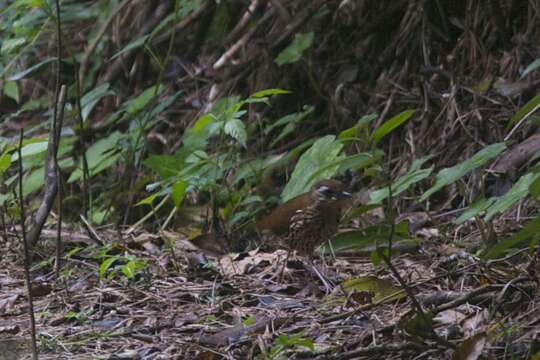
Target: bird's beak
{"x":343,"y":195}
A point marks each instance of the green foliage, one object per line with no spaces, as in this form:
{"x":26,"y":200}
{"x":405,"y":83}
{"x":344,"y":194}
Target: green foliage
{"x":452,"y":174}
{"x":531,"y":233}
{"x":295,"y":50}
{"x":390,"y":125}
{"x":529,"y":108}
{"x":323,"y":152}
{"x":413,"y":175}
{"x":128,"y":265}
{"x":285,"y":342}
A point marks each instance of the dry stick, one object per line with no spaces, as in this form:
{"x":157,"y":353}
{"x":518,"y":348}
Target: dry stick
{"x":57,"y":130}
{"x":57,"y":123}
{"x":86,"y":191}
{"x":27,"y":259}
{"x":51,"y":183}
{"x":386,"y":258}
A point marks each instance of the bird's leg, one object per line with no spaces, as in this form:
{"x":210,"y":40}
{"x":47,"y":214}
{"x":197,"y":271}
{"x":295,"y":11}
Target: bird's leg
{"x":327,"y":283}
{"x":280,"y":274}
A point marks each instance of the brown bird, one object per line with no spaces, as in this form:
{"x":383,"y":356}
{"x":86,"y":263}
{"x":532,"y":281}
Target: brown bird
{"x":305,"y":222}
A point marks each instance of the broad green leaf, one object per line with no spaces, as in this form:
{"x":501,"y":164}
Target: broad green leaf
{"x":236,"y":129}
{"x":143,"y":99}
{"x":165,"y":165}
{"x":178,"y":192}
{"x":290,"y":341}
{"x":519,"y":190}
{"x":388,"y":126}
{"x":33,"y":181}
{"x":91,"y":98}
{"x":414,"y":175}
{"x":351,"y":163}
{"x":197,"y":136}
{"x":323,"y":152}
{"x":105,"y":265}
{"x":25,"y":73}
{"x":131,"y":46}
{"x":352,"y":132}
{"x":449,"y":175}
{"x":11,"y":90}
{"x":132,"y":268}
{"x":475,"y":209}
{"x":5,"y":162}
{"x":529,"y":107}
{"x":531,"y":67}
{"x":31,"y":150}
{"x":100,"y":156}
{"x":531,"y":231}
{"x":10,"y":45}
{"x":534,"y":189}
{"x":294,"y":51}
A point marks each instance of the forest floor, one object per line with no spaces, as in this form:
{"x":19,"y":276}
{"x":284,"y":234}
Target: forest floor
{"x":185,"y":305}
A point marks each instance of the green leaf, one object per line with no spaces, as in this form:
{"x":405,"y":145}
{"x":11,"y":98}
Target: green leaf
{"x":351,"y":163}
{"x":131,"y":46}
{"x":519,"y":190}
{"x":323,"y":152}
{"x":291,"y":122}
{"x":449,"y":175}
{"x":294,"y":51}
{"x":178,"y":192}
{"x":530,"y":231}
{"x":105,"y":265}
{"x":531,"y":67}
{"x":100,"y":156}
{"x":528,"y":108}
{"x":132,"y":268}
{"x":413,"y":175}
{"x":91,"y":98}
{"x":388,"y":126}
{"x":137,"y":104}
{"x":237,"y":130}
{"x":31,"y":150}
{"x":352,"y":132}
{"x":165,"y":165}
{"x":269,"y":92}
{"x":10,"y":45}
{"x":11,"y":90}
{"x":475,"y":209}
{"x":147,"y":200}
{"x":534,"y":189}
{"x":25,"y":73}
{"x":5,"y":163}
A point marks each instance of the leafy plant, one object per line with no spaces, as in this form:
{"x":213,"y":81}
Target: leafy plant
{"x":289,"y":342}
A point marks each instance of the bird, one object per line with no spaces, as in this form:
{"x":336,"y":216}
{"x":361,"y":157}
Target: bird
{"x":307,"y":221}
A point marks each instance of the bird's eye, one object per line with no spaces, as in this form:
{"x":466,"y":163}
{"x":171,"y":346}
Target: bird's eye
{"x":325,"y":190}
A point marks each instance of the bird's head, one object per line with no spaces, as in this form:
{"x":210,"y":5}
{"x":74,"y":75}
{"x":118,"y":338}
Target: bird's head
{"x":329,"y":190}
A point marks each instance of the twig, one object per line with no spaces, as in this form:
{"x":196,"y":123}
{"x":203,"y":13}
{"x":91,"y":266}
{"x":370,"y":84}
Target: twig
{"x":51,"y":183}
{"x":27,"y":259}
{"x":58,"y":117}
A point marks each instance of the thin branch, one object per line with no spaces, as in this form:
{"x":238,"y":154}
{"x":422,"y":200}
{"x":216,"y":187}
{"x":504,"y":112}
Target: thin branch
{"x":27,"y":257}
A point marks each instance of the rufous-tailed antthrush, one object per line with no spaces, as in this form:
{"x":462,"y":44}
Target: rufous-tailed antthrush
{"x":305,"y":222}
